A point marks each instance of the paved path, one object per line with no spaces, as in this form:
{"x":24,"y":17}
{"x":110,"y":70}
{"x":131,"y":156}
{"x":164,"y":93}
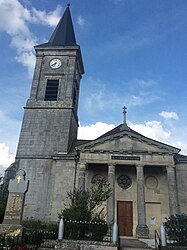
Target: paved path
{"x":131,"y":243}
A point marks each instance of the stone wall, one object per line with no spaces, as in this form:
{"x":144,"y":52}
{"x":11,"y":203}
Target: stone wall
{"x":84,"y":245}
{"x":174,"y":248}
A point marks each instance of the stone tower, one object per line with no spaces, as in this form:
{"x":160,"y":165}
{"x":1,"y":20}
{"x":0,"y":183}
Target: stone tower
{"x":49,"y":129}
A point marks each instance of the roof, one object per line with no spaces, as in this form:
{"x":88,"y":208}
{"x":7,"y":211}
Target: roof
{"x":180,"y":158}
{"x":114,"y":131}
{"x":123,"y":127}
{"x":122,"y":130}
{"x":64,"y":34}
{"x":80,"y":142}
{"x":63,"y":37}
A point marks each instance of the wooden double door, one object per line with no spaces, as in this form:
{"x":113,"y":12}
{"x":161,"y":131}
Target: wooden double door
{"x":125,"y":217}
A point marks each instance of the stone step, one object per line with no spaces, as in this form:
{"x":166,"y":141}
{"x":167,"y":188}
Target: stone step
{"x":45,"y":248}
{"x":133,"y":243}
{"x":130,"y":248}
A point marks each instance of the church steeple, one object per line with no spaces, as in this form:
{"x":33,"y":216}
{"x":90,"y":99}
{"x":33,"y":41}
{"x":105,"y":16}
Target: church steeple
{"x":63,"y":34}
{"x":52,"y":107}
{"x":46,"y":148}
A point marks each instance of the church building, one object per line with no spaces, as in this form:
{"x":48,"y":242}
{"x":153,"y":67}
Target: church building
{"x":147,"y":177}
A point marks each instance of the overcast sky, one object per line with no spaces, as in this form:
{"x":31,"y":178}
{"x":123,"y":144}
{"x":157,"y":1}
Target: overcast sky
{"x":134,"y":52}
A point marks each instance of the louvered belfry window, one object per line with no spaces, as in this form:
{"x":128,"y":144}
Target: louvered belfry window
{"x":51,"y":92}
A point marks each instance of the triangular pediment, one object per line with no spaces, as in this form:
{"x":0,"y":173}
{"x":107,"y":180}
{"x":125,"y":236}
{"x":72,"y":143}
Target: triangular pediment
{"x":123,"y":139}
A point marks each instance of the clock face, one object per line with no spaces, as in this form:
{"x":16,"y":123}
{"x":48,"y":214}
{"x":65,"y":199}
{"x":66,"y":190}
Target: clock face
{"x":55,"y":63}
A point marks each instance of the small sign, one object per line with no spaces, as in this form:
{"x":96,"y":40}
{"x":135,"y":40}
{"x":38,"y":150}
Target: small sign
{"x":152,"y":220}
{"x":125,"y":158}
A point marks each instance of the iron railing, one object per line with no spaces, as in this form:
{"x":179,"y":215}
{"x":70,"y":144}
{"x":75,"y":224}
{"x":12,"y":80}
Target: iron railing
{"x":8,"y":242}
{"x":157,"y":240}
{"x":83,"y":230}
{"x":75,"y":230}
{"x":29,"y":240}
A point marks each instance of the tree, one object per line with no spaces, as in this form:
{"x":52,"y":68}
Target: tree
{"x":84,"y":204}
{"x":83,"y":214}
{"x":3,"y":198}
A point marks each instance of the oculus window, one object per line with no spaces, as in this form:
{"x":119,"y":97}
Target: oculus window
{"x":51,"y":91}
{"x":124,"y":181}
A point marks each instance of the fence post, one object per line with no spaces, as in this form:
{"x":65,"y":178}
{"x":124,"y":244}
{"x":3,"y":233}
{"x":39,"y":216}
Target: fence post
{"x":162,"y":235}
{"x":115,"y":233}
{"x":61,"y":229}
{"x":4,"y":238}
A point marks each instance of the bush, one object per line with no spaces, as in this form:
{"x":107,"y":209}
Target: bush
{"x":176,"y":229}
{"x":34,"y":225}
{"x":83,"y":215}
{"x":85,"y":230}
{"x":98,"y":230}
{"x":76,"y":229}
{"x":3,"y":199}
{"x":78,"y":209}
{"x":35,"y":231}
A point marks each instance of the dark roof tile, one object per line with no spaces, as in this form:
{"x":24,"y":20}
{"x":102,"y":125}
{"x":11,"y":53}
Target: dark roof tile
{"x":180,"y":158}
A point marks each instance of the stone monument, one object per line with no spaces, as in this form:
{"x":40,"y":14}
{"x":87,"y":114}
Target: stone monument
{"x":15,"y":204}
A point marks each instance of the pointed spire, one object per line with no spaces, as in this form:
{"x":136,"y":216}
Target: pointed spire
{"x":64,"y":34}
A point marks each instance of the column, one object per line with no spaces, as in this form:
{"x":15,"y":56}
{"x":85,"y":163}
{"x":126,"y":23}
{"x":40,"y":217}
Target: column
{"x":172,"y":190}
{"x":111,"y":199}
{"x":81,"y":180}
{"x":142,"y":229}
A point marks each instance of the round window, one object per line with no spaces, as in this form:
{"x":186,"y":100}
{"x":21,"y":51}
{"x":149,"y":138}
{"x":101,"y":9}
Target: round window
{"x":97,"y":177}
{"x":124,"y":181}
{"x":151,"y":182}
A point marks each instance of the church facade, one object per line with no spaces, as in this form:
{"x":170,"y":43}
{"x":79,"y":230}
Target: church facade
{"x":147,"y":177}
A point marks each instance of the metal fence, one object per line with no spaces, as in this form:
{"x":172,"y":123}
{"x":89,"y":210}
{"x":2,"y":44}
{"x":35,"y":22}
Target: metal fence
{"x":83,"y":230}
{"x":29,"y":240}
{"x":8,"y":242}
{"x":74,"y":230}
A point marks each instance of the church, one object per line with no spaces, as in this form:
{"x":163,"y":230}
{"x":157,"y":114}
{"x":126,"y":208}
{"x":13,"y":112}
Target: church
{"x":147,"y":177}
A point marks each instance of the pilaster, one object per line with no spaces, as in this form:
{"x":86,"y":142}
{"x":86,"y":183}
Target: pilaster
{"x":111,"y":199}
{"x":142,"y":229}
{"x":172,"y":190}
{"x":81,"y":180}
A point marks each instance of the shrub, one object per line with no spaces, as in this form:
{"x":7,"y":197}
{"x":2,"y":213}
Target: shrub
{"x":35,"y":231}
{"x":78,"y":209}
{"x":83,"y":215}
{"x":176,"y":229}
{"x":85,"y":230}
{"x":76,"y":229}
{"x":98,"y":230}
{"x":3,"y":198}
{"x":33,"y":225}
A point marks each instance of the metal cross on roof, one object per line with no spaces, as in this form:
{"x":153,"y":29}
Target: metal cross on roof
{"x":124,"y":117}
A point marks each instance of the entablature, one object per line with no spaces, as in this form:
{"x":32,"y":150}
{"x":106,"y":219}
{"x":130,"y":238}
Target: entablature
{"x":132,"y":159}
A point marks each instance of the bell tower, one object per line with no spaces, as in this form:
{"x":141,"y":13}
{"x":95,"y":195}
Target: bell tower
{"x":49,"y":130}
{"x":50,"y":121}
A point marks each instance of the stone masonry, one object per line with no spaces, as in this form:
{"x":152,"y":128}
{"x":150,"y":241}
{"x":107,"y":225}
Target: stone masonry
{"x":147,"y":177}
